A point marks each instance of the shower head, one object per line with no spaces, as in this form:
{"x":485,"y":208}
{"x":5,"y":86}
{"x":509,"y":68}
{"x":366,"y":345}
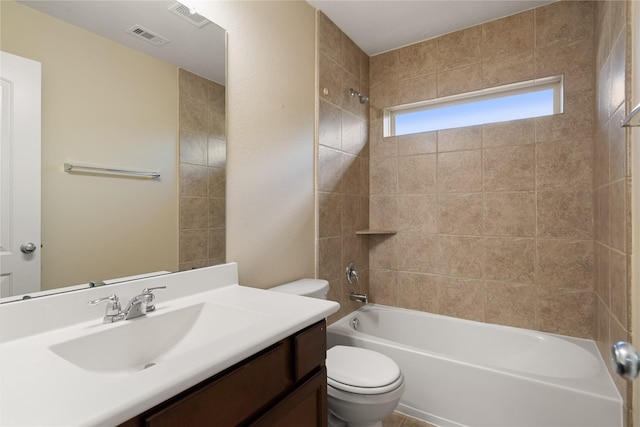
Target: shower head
{"x":363,"y":98}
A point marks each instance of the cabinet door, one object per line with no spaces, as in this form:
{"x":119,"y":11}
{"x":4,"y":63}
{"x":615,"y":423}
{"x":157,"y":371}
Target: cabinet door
{"x":305,"y":407}
{"x":234,"y":397}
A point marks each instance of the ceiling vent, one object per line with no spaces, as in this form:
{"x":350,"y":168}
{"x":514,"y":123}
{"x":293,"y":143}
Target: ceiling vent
{"x":147,"y":35}
{"x":184,"y":12}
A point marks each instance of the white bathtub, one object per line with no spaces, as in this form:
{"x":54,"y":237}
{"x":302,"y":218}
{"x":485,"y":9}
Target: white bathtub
{"x":464,"y":373}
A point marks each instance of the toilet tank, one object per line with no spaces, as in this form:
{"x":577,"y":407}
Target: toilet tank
{"x":314,"y":288}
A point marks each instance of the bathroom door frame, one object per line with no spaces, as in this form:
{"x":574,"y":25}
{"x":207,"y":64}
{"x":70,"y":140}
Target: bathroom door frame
{"x":20,"y":174}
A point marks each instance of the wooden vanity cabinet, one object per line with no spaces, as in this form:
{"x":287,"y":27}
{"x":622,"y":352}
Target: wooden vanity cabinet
{"x":283,"y":385}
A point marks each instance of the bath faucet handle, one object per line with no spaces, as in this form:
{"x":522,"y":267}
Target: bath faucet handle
{"x":151,"y":296}
{"x":113,"y":312}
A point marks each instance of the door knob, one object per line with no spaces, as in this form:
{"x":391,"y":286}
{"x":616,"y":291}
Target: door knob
{"x":625,"y":360}
{"x":28,"y":248}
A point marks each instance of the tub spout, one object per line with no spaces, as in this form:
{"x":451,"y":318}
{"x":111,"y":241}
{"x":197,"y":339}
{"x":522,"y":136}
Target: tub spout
{"x":359,"y":297}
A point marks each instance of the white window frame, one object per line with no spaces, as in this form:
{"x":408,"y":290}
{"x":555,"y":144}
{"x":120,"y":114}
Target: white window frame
{"x":555,"y":82}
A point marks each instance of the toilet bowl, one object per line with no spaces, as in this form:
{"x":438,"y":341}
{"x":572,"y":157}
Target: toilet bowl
{"x":363,"y":386}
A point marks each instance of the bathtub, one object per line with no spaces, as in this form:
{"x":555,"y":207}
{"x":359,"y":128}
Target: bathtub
{"x":464,"y":373}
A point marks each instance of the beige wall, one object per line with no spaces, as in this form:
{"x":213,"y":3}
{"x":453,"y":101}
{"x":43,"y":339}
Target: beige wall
{"x":612,"y":182}
{"x":495,"y":222}
{"x":100,"y":227}
{"x":202,"y":171}
{"x":343,"y":163}
{"x":270,"y":138}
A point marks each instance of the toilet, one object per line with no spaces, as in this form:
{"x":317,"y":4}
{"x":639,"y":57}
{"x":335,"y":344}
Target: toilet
{"x":363,"y":386}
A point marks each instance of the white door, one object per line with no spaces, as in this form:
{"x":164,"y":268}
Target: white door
{"x":20,"y":175}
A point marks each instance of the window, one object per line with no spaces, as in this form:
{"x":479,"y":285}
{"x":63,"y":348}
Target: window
{"x":535,"y":98}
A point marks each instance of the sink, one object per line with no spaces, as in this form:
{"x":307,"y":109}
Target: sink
{"x":137,"y":344}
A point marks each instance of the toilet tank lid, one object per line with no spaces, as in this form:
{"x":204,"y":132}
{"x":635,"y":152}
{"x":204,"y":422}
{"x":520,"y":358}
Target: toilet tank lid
{"x":303,"y":286}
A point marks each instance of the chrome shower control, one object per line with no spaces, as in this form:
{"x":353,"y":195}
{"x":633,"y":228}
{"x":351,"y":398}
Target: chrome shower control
{"x":625,"y":360}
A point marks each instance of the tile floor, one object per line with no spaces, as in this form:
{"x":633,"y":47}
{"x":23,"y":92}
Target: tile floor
{"x":398,"y":420}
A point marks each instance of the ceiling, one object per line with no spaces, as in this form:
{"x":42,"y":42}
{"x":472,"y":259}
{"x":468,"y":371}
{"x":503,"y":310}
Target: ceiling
{"x":199,"y":50}
{"x":377,"y":26}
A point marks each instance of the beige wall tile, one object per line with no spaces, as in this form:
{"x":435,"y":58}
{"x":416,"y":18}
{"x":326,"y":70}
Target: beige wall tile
{"x":352,"y":140}
{"x":194,"y":180}
{"x":552,"y":22}
{"x":418,"y":291}
{"x":510,"y":214}
{"x":461,"y":298}
{"x":565,"y":263}
{"x":619,"y":289}
{"x":329,"y":37}
{"x":617,"y":147}
{"x":351,"y":58}
{"x":216,"y":245}
{"x":417,"y":174}
{"x":216,"y":212}
{"x":512,"y":69}
{"x":515,"y":132}
{"x":601,"y":159}
{"x":575,"y":121}
{"x":602,"y":267}
{"x":509,"y":168}
{"x":193,"y":212}
{"x":330,"y":258}
{"x":193,"y":147}
{"x":510,"y":304}
{"x":330,"y":127}
{"x":459,"y":48}
{"x":567,"y":214}
{"x":416,"y":59}
{"x":509,"y":259}
{"x":564,"y":164}
{"x":217,"y":153}
{"x":419,"y":252}
{"x":565,"y":312}
{"x":573,"y":60}
{"x":383,"y":252}
{"x":508,"y":36}
{"x":418,"y":213}
{"x":617,"y":57}
{"x":193,"y":245}
{"x":619,"y":215}
{"x":466,"y":138}
{"x":460,"y":213}
{"x":351,"y":219}
{"x":384,"y":286}
{"x":417,"y":143}
{"x":217,"y":182}
{"x":601,"y":215}
{"x":459,"y":80}
{"x":384,"y":213}
{"x":383,"y":173}
{"x":329,"y":214}
{"x":330,"y":78}
{"x":460,"y":171}
{"x":461,"y":256}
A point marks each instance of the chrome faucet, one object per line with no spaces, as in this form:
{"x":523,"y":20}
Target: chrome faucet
{"x":359,"y":297}
{"x":138,"y":306}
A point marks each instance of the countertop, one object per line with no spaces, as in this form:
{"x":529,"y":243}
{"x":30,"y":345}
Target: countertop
{"x":40,"y":388}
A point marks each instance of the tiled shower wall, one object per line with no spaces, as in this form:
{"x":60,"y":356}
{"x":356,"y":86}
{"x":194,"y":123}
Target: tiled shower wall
{"x":202,"y":171}
{"x":343,"y":163}
{"x":612,"y":181}
{"x":494,"y":223}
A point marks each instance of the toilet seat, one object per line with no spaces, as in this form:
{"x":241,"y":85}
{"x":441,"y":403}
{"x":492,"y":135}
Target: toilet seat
{"x":361,"y":371}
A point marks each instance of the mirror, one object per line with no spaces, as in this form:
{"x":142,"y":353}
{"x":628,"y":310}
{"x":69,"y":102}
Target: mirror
{"x":160,"y":108}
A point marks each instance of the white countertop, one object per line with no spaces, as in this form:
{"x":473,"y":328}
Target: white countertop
{"x":40,"y":388}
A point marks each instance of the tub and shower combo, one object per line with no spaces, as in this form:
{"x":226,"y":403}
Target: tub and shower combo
{"x":465,"y":373}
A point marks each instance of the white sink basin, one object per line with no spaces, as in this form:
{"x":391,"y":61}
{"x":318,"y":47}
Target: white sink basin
{"x":137,"y":344}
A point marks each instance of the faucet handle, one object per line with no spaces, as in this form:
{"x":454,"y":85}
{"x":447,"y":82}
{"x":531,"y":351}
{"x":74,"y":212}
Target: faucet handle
{"x":151,"y":296}
{"x":113,"y":310}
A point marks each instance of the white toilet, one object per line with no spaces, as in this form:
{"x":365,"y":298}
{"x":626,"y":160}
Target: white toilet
{"x":363,"y":386}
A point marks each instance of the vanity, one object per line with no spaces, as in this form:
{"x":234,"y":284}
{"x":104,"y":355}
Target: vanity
{"x":211,"y":353}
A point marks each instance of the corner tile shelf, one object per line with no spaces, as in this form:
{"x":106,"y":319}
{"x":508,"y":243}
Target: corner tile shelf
{"x":368,"y":232}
